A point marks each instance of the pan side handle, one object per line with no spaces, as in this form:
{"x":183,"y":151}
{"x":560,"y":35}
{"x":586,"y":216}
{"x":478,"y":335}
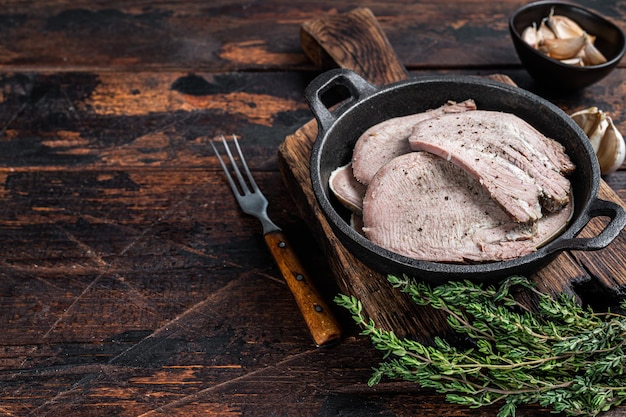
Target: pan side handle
{"x":598,"y":208}
{"x":357,"y":87}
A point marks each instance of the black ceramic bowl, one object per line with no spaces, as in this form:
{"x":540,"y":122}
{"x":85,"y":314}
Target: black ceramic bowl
{"x":339,"y":129}
{"x":552,"y":73}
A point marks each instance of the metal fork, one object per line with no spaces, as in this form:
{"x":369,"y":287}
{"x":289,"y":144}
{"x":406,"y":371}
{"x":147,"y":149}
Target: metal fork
{"x":323,"y":326}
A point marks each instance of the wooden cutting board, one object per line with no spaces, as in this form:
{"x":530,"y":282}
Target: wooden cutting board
{"x":355,"y":41}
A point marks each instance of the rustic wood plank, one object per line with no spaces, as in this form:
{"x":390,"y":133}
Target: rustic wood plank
{"x":85,"y":35}
{"x":139,"y":119}
{"x":153,"y":119}
{"x":120,"y":292}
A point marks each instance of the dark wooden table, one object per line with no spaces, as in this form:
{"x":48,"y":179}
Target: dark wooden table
{"x":130,"y":282}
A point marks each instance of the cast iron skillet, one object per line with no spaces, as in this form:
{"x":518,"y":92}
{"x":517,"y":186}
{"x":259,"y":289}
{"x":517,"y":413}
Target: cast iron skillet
{"x":339,"y":128}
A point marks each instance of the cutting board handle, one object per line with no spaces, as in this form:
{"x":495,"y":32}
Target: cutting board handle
{"x":355,"y":41}
{"x":357,"y":87}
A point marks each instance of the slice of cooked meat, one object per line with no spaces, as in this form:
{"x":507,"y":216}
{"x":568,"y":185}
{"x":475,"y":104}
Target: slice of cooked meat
{"x":347,"y":189}
{"x":521,"y":168}
{"x":386,"y":140}
{"x":552,"y":224}
{"x":424,"y":207}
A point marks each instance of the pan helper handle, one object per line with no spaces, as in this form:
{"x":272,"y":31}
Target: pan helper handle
{"x":357,"y":87}
{"x":599,"y":208}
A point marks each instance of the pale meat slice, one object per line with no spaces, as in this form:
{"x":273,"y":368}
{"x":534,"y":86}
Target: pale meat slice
{"x":347,"y":189}
{"x":424,"y":207}
{"x":553,"y":224}
{"x":386,"y":140}
{"x":521,"y":168}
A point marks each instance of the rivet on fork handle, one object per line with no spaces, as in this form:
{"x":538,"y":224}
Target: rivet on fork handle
{"x":324,"y":328}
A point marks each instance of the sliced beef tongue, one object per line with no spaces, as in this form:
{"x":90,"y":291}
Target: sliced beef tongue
{"x":347,"y":189}
{"x":424,"y":207}
{"x":520,"y":167}
{"x":386,"y":140}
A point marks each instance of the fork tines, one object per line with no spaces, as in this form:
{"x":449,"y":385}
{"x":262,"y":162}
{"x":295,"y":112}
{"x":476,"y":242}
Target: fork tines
{"x":243,"y":185}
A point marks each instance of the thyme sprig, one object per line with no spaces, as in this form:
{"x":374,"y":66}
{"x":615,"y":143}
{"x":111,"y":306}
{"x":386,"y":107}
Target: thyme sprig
{"x":557,"y":354}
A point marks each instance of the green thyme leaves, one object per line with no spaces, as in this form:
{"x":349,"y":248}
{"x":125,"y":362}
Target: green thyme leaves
{"x":554,"y":353}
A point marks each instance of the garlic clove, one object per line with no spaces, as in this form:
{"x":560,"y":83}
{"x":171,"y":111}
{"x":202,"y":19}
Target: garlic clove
{"x":595,"y":136}
{"x":612,"y":150}
{"x":591,"y":54}
{"x":534,"y":36}
{"x":575,"y":62}
{"x":563,"y":48}
{"x":545,"y":32}
{"x":530,"y":35}
{"x":563,"y":27}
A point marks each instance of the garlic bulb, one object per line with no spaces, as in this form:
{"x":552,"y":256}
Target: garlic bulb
{"x":607,"y":142}
{"x":561,"y":38}
{"x":612,"y":150}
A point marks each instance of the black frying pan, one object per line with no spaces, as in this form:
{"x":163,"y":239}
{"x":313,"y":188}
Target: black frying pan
{"x":367,"y":105}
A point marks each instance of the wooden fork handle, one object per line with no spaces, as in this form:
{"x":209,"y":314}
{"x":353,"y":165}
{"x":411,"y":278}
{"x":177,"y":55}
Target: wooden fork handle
{"x":319,"y":318}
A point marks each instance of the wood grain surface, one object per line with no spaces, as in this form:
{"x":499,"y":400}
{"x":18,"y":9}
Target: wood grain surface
{"x":131,"y":284}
